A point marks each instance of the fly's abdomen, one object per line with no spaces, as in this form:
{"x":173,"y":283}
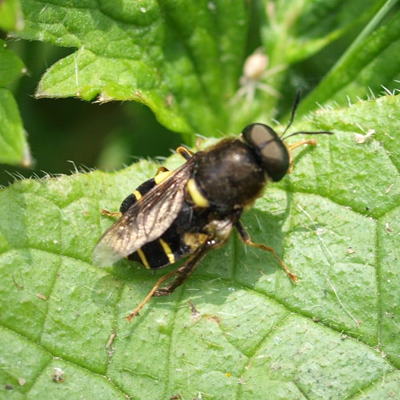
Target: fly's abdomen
{"x":137,"y":195}
{"x":163,"y":251}
{"x":145,"y":187}
{"x":176,"y":242}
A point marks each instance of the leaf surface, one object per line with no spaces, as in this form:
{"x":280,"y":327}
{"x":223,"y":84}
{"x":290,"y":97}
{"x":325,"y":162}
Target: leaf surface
{"x":179,"y":58}
{"x":13,"y":144}
{"x":238,"y":329}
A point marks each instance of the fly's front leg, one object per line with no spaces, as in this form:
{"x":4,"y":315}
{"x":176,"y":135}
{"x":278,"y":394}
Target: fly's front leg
{"x":291,"y":147}
{"x":247,"y":240}
{"x":183,"y":272}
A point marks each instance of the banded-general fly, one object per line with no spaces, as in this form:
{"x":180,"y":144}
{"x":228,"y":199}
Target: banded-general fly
{"x":187,"y":212}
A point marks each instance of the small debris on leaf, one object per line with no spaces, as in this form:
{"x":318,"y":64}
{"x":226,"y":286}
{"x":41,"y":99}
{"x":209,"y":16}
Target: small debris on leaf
{"x":21,"y":381}
{"x":360,"y":139}
{"x":389,"y":188}
{"x":110,"y":340}
{"x":58,"y":375}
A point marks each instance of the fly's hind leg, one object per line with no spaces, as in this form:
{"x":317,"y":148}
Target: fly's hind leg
{"x":111,"y":214}
{"x":182,"y":273}
{"x":161,"y":170}
{"x":247,"y":240}
{"x":150,"y":295}
{"x":293,"y":146}
{"x":161,"y":174}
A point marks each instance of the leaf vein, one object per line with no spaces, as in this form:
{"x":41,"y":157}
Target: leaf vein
{"x":45,"y":349}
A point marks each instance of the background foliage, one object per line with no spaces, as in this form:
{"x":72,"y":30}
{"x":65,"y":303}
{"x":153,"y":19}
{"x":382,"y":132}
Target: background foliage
{"x":238,"y":329}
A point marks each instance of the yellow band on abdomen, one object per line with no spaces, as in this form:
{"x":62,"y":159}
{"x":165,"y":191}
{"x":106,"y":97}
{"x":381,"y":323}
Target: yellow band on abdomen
{"x":167,"y":251}
{"x":143,"y":258}
{"x":137,"y":194}
{"x":162,"y":176}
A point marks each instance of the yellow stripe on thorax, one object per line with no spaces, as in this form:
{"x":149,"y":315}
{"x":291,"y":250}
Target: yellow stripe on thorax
{"x":196,"y":195}
{"x":167,"y":251}
{"x":162,"y":176}
{"x":143,"y":258}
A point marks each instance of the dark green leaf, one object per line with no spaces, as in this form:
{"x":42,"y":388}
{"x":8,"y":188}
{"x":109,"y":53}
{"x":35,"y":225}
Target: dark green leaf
{"x":11,"y":67}
{"x":13,"y":145}
{"x":373,"y":66}
{"x":182,"y":59}
{"x":294,"y":31}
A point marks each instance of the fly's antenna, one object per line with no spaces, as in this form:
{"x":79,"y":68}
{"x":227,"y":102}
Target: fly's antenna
{"x":309,"y":133}
{"x":294,"y":108}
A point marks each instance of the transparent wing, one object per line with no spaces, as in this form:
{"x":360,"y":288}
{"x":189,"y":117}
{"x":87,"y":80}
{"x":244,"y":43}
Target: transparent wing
{"x":146,"y":220}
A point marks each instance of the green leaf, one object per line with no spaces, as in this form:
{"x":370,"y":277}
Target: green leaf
{"x":291,"y":33}
{"x":295,"y":31}
{"x":334,"y":335}
{"x":182,"y":59}
{"x":370,"y":67}
{"x":11,"y":67}
{"x":13,"y":145}
{"x":11,"y":18}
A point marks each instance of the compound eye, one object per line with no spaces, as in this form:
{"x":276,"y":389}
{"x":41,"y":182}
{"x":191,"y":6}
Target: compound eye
{"x":270,"y":149}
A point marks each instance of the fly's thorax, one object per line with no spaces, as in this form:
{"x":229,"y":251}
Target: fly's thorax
{"x":228,"y":176}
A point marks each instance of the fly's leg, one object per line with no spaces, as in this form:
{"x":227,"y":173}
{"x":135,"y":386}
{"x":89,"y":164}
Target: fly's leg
{"x":247,"y":240}
{"x":293,"y":146}
{"x":111,"y":214}
{"x":161,"y":169}
{"x":150,"y":295}
{"x":161,"y":174}
{"x":184,"y":152}
{"x":183,"y":272}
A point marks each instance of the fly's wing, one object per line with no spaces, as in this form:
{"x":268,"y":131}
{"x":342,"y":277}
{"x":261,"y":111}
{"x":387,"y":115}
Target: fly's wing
{"x":144,"y":221}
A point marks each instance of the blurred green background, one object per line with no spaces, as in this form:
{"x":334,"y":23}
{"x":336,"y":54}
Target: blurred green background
{"x":109,"y":136}
{"x":105,"y":136}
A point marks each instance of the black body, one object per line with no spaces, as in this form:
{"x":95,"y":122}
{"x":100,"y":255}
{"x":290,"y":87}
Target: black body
{"x":188,"y":220}
{"x":193,"y":209}
{"x":229,"y":176}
